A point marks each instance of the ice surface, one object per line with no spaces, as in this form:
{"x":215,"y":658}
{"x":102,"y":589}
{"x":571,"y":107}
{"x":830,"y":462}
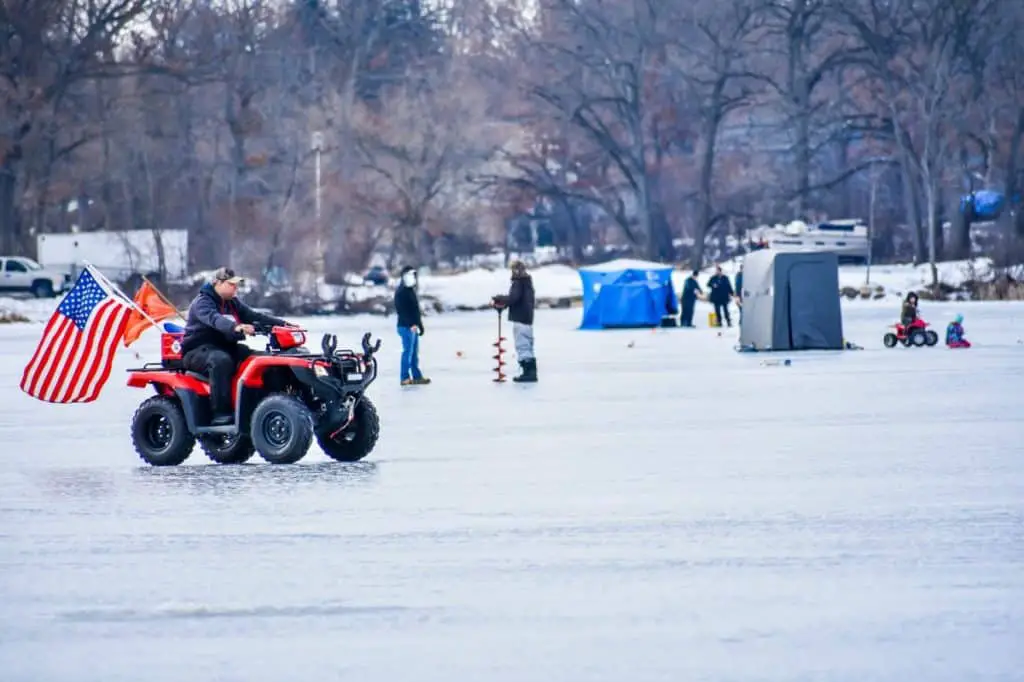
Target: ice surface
{"x":658,"y":507}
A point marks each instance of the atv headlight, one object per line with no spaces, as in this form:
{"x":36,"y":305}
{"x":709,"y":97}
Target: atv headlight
{"x":319,"y":370}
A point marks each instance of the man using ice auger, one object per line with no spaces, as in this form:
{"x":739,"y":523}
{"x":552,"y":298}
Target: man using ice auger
{"x":520,"y":302}
{"x":217,"y":323}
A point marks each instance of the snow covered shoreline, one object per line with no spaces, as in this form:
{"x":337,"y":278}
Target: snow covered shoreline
{"x":561,"y":284}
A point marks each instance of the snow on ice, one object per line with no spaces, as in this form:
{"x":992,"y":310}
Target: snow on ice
{"x":658,"y":507}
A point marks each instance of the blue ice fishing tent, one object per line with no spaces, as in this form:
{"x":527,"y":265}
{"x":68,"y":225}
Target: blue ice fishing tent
{"x":627,"y":293}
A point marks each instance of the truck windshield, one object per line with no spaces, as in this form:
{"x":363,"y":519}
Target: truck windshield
{"x":30,"y":264}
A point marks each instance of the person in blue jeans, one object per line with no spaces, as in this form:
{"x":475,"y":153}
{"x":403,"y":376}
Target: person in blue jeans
{"x":410,"y":327}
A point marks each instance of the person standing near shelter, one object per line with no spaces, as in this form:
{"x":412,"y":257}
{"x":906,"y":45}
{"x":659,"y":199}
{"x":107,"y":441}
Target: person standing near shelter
{"x":410,"y":327}
{"x":691,"y":290}
{"x":739,"y":291}
{"x":720,"y":293}
{"x":520,"y":302}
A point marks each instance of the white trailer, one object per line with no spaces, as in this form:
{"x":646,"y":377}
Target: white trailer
{"x":116,"y":254}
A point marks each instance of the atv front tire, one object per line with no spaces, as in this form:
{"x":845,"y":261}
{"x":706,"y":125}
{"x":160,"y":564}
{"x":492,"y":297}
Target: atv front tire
{"x":359,"y":439}
{"x":282,"y":429}
{"x":160,"y":433}
{"x":931,"y":338}
{"x":917,"y":338}
{"x":220,"y":449}
{"x":890,"y":340}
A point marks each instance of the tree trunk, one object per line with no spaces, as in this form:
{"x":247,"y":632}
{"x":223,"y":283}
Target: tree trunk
{"x":10,"y":216}
{"x":1013,"y":173}
{"x":704,"y":207}
{"x":912,"y":205}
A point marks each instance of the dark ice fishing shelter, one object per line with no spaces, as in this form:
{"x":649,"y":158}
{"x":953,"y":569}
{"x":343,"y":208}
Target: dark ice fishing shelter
{"x":791,"y":301}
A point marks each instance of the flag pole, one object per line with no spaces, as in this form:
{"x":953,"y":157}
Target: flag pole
{"x":163,"y":298}
{"x":115,"y":290}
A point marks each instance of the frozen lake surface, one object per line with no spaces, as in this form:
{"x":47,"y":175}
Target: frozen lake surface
{"x":667,"y":511}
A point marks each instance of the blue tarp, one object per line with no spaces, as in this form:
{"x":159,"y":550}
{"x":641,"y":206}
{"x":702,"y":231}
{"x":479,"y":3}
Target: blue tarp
{"x":627,"y":293}
{"x":988,"y":204}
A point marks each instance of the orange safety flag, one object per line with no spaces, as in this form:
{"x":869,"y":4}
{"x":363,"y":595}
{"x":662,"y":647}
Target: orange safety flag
{"x":153,"y":304}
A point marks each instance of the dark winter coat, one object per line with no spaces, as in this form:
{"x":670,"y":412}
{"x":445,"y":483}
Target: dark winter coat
{"x":739,"y":284}
{"x":719,"y":289}
{"x":212,"y":320}
{"x":691,"y":288}
{"x":908,"y":314}
{"x":407,"y":307}
{"x":520,"y":300}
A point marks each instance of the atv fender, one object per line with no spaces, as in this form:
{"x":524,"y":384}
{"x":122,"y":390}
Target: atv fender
{"x":168,"y":382}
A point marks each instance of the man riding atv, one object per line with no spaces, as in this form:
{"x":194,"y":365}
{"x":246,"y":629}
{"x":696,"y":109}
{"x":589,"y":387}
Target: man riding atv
{"x":217,"y":323}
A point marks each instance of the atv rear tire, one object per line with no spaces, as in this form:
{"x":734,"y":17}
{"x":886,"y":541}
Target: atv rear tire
{"x":160,"y":433}
{"x":917,"y":338}
{"x":931,"y":338}
{"x":359,"y":439}
{"x":890,"y":340}
{"x":282,"y":429}
{"x":235,"y":449}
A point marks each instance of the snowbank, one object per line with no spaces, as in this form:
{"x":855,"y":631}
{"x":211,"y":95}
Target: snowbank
{"x":31,"y":309}
{"x":474,"y":289}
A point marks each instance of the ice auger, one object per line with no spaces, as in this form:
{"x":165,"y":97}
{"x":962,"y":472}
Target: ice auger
{"x":500,"y":352}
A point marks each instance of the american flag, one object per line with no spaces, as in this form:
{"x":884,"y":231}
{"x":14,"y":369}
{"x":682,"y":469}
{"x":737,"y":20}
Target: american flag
{"x":73,"y":359}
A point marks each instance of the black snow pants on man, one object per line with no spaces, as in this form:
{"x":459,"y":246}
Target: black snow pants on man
{"x":219,"y":366}
{"x":722,"y":312}
{"x":688,"y":306}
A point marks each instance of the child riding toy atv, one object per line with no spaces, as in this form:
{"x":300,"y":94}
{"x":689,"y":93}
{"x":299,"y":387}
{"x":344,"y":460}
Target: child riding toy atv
{"x":914,"y":334}
{"x":282,"y":398}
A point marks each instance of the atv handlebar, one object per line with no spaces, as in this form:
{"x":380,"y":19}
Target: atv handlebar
{"x":268,"y":329}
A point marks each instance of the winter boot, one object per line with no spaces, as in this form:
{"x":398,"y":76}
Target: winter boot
{"x":529,"y":374}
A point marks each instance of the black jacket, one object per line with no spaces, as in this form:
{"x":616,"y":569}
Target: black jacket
{"x":407,"y":307}
{"x":212,"y":320}
{"x":691,"y":288}
{"x":520,"y":300}
{"x":719,"y":289}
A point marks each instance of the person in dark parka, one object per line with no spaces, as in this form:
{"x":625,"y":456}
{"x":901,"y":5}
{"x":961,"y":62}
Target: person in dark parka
{"x":739,"y":291}
{"x":217,"y":322}
{"x":410,"y":328}
{"x":691,"y":290}
{"x":520,"y":302}
{"x":719,"y":294}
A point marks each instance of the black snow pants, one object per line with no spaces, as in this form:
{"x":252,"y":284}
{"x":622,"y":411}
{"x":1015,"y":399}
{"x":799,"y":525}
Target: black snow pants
{"x":686,"y":318}
{"x":721,"y":308}
{"x":219,"y":367}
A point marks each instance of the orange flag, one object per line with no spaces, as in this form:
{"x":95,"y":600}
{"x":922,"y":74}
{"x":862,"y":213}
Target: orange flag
{"x":154,"y":304}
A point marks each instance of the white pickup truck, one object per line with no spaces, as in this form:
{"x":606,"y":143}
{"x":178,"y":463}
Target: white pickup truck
{"x":24,"y":275}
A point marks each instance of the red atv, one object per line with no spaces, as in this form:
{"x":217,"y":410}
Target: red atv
{"x":914,"y":334}
{"x":283,"y":397}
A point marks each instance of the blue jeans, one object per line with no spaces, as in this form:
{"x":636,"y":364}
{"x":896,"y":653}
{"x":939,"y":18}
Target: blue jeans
{"x":410,"y":354}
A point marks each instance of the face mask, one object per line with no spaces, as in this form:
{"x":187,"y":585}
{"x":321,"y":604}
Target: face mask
{"x":409,"y":279}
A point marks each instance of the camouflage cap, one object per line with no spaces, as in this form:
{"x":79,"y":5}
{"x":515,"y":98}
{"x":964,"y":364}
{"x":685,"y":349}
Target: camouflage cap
{"x":227,"y":275}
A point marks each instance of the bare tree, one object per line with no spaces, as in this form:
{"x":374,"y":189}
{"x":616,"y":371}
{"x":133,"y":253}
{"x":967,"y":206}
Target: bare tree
{"x":47,"y":47}
{"x":419,"y":143}
{"x":712,"y":56}
{"x":804,"y":54}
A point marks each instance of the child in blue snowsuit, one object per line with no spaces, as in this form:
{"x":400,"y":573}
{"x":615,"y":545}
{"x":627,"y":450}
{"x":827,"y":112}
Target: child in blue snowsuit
{"x":955,"y":334}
